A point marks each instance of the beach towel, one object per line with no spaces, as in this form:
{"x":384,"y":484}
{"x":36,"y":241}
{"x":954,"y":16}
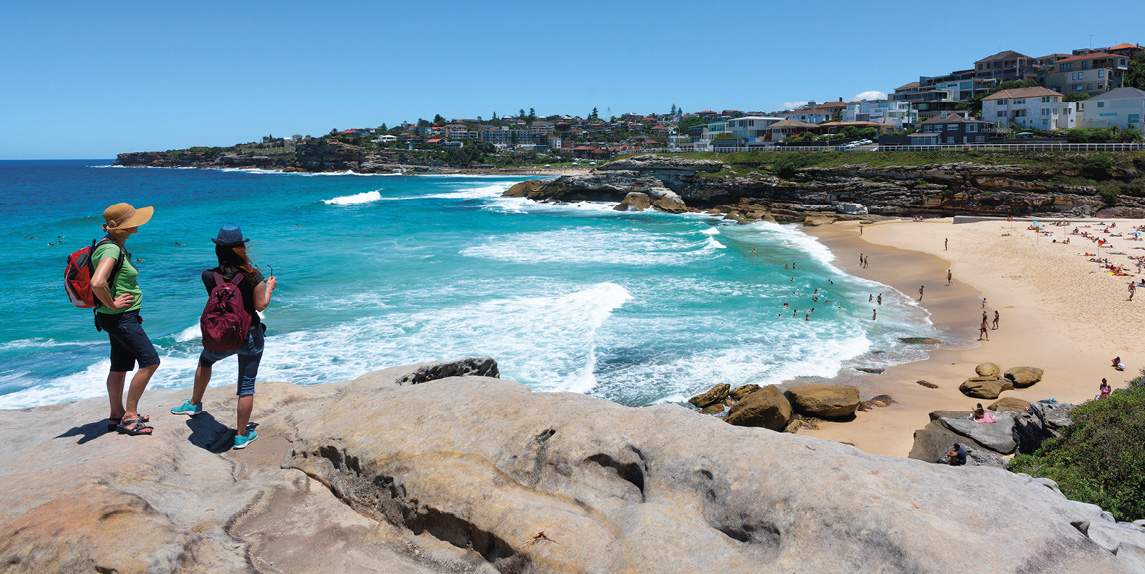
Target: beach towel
{"x":987,"y":418}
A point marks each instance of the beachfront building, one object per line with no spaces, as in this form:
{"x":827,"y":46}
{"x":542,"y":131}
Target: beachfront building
{"x":1092,"y":74}
{"x":1034,"y":108}
{"x":953,"y":128}
{"x":1006,"y":65}
{"x":1123,"y":107}
{"x":779,"y":131}
{"x":751,"y":128}
{"x":894,"y":113}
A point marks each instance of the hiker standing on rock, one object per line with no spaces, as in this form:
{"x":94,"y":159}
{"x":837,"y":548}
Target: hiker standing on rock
{"x":235,"y":273}
{"x":120,"y":298}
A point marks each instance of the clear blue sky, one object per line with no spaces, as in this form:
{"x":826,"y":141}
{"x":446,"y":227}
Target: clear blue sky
{"x":93,"y":79}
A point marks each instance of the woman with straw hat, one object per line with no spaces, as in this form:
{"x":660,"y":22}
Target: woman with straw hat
{"x":256,"y":291}
{"x":117,"y":313}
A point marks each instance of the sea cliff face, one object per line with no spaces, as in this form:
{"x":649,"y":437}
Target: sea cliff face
{"x":314,"y":156}
{"x":843,"y":191}
{"x":445,"y":468}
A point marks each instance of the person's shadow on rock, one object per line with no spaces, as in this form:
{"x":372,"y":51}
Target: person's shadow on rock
{"x":88,"y":432}
{"x":209,"y":434}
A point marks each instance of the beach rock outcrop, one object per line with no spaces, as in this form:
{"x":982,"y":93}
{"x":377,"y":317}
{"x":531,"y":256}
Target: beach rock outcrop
{"x":712,"y":396}
{"x":766,"y":408}
{"x":1023,"y":377}
{"x":1043,"y":420}
{"x":997,"y":436}
{"x":824,"y":401}
{"x":1009,"y":404}
{"x":932,"y":442}
{"x":740,"y":392}
{"x":634,"y":201}
{"x":985,"y":387}
{"x":987,"y":370}
{"x":478,"y":474}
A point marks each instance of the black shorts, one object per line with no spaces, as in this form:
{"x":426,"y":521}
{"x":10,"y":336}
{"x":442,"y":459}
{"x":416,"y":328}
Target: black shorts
{"x":129,"y":344}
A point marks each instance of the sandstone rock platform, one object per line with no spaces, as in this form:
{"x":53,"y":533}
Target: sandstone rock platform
{"x":397,"y":471}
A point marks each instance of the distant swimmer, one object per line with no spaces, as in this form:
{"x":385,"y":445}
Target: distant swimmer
{"x":880,"y":299}
{"x":874,"y":314}
{"x":871,"y":298}
{"x":180,"y":244}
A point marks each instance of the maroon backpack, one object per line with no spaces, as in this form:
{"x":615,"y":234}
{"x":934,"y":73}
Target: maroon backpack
{"x":224,"y":322}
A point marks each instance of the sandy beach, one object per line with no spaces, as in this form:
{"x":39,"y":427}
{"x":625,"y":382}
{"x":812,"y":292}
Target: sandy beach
{"x":1058,"y":311}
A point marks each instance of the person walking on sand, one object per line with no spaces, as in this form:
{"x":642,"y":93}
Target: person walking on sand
{"x":995,"y":319}
{"x":117,"y":289}
{"x":983,"y":330}
{"x":256,"y":291}
{"x":920,"y":290}
{"x":983,"y":302}
{"x":946,"y":244}
{"x":1132,"y":290}
{"x":949,"y":277}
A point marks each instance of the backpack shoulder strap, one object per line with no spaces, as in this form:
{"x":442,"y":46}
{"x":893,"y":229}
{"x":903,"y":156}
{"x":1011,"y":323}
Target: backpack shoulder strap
{"x":122,"y":254}
{"x":219,"y":279}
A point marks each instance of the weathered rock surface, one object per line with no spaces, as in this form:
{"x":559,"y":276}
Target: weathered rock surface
{"x":475,"y":474}
{"x":739,"y":393}
{"x":712,"y":396}
{"x":1041,"y":421}
{"x":1009,"y":404}
{"x":766,"y":408}
{"x":824,"y":401}
{"x":997,"y":436}
{"x":634,"y":201}
{"x":985,"y":387}
{"x":1023,"y":377}
{"x":987,"y":370}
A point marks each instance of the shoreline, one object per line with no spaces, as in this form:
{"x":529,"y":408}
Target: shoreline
{"x":1054,"y":307}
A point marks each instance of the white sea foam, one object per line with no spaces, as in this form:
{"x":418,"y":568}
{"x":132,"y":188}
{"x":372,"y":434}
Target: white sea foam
{"x":488,"y":191}
{"x":594,"y":246}
{"x":356,"y":199}
{"x":191,"y":333}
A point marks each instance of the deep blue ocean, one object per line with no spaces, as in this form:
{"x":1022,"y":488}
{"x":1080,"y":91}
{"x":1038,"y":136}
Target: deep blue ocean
{"x":377,"y":271}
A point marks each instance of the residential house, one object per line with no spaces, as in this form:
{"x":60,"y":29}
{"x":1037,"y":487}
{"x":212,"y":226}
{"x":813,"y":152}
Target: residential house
{"x":814,"y":115}
{"x":1007,"y":65}
{"x":453,"y":131}
{"x":1123,"y":107}
{"x":751,"y":128}
{"x":1094,"y":74}
{"x":779,"y":131}
{"x":836,"y":127}
{"x":1037,"y":108}
{"x":926,"y":101}
{"x":898,"y":113}
{"x":386,"y":139}
{"x":953,"y":128}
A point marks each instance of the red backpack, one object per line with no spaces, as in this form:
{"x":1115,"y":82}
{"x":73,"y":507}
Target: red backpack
{"x":224,"y":322}
{"x":81,"y":269}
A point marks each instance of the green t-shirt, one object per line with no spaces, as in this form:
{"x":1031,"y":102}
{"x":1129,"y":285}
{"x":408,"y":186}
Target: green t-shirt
{"x":125,"y":280}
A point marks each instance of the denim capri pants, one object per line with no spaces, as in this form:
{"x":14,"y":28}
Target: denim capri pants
{"x":250,"y":354}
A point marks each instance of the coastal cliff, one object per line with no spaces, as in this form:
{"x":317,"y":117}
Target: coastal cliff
{"x":444,"y":467}
{"x":846,"y":191}
{"x":318,"y":155}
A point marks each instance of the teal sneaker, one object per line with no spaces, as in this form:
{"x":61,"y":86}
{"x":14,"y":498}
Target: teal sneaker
{"x":188,"y":409}
{"x":241,"y":441}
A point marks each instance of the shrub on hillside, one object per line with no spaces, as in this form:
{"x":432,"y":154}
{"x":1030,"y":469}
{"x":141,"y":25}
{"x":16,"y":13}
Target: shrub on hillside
{"x":789,"y":163}
{"x":1098,"y":167}
{"x":1100,"y":458}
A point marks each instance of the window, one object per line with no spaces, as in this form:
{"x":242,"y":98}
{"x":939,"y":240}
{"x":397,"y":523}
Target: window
{"x":951,"y":127}
{"x":1045,"y":99}
{"x":1078,"y":88}
{"x":950,"y":139}
{"x":1089,"y":87}
{"x":1045,"y":111}
{"x":1019,"y":101}
{"x":1101,"y":73}
{"x":1001,"y":114}
{"x":971,"y":128}
{"x":1101,"y":104}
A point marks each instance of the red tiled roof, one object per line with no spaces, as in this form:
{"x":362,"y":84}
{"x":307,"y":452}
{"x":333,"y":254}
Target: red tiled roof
{"x":434,"y":140}
{"x":1034,"y":92}
{"x":1092,"y":56}
{"x":1124,"y":46}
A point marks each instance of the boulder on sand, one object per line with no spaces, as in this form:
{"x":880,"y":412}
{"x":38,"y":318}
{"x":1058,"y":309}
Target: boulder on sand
{"x":766,"y":408}
{"x":985,"y":387}
{"x":824,"y":401}
{"x":932,"y":442}
{"x":1023,"y":377}
{"x":1010,"y":404}
{"x":987,"y":370}
{"x":714,"y":395}
{"x":997,"y":436}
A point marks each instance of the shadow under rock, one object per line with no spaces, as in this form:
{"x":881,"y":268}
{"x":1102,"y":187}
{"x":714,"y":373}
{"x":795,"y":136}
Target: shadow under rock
{"x":88,"y":432}
{"x":209,"y":434}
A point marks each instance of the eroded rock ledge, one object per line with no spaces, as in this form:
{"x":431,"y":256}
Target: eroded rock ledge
{"x":843,"y":192}
{"x":477,"y":474}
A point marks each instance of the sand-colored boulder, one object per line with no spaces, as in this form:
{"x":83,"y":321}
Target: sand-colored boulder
{"x":1023,"y":377}
{"x":987,"y":370}
{"x":766,"y":408}
{"x":739,"y":393}
{"x":1010,"y":404}
{"x":824,"y":401}
{"x":712,"y":396}
{"x":634,"y":201}
{"x":985,"y":387}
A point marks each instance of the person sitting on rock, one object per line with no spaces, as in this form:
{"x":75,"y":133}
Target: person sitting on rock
{"x":956,"y":456}
{"x":978,"y":413}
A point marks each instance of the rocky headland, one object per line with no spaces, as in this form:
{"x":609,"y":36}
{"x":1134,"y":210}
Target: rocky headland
{"x":823,"y":194}
{"x":444,"y":467}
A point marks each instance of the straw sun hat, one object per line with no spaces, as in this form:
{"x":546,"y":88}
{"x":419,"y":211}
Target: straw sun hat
{"x":124,"y":216}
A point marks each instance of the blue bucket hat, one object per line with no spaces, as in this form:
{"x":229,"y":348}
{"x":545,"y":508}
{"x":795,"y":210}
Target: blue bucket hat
{"x":230,"y":235}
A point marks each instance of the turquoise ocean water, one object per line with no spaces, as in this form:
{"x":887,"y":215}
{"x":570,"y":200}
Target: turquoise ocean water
{"x":376,"y":271}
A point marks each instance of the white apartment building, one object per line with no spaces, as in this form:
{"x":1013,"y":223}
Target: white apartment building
{"x":1037,"y":108}
{"x":894,"y":113}
{"x":751,"y":128}
{"x":1123,"y":107}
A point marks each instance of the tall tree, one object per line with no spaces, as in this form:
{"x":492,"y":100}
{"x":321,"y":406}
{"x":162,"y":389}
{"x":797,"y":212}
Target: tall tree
{"x":438,"y":120}
{"x":594,"y":115}
{"x":673,"y":112}
{"x":1135,"y":77}
{"x":522,"y":114}
{"x":532,"y":115}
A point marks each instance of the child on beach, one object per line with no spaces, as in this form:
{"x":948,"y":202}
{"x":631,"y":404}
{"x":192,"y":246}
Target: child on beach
{"x":1104,"y":390}
{"x":256,"y":292}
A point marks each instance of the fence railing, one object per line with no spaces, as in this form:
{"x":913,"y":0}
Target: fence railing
{"x":946,"y":147}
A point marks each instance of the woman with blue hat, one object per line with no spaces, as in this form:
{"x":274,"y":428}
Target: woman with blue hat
{"x":235,"y":268}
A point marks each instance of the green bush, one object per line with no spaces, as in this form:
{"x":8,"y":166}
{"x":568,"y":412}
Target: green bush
{"x":1099,"y":166}
{"x":1100,"y":458}
{"x":789,"y":163}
